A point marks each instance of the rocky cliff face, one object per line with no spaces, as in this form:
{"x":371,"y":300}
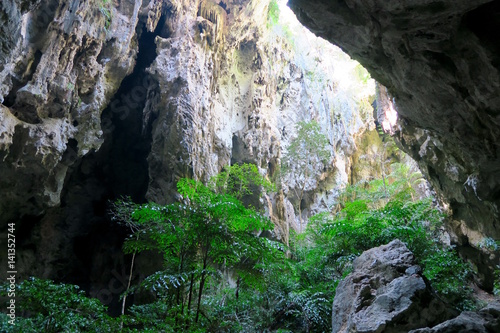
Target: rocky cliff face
{"x":232,"y":86}
{"x":61,"y":65}
{"x":439,"y":60}
{"x":102,"y":99}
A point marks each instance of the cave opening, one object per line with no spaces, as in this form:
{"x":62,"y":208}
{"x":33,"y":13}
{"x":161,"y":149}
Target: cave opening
{"x":118,"y":169}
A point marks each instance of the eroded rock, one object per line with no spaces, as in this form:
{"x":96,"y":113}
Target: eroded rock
{"x":65,"y":62}
{"x":233,"y":88}
{"x":212,"y":84}
{"x":486,"y":320}
{"x":385,"y":293}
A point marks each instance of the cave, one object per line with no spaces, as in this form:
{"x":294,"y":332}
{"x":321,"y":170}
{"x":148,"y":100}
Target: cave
{"x":124,"y":99}
{"x":119,"y":169}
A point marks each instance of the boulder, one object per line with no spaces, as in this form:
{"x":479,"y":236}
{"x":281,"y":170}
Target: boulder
{"x":386,"y":293}
{"x":486,"y":320}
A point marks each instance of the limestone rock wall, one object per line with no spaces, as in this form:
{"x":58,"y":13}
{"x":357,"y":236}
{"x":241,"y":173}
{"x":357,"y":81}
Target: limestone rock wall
{"x":230,"y":88}
{"x":65,"y":61}
{"x":236,"y":97}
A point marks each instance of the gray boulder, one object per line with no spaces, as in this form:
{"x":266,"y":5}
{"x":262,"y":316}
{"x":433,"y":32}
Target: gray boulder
{"x":386,"y":293}
{"x":486,"y":320}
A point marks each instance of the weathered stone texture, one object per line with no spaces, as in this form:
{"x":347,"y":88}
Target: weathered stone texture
{"x":103,"y":99}
{"x":487,"y":320}
{"x":64,"y":62}
{"x":232,"y":90}
{"x":385,"y":293}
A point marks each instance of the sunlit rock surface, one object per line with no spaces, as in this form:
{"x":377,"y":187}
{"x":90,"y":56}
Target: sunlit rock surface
{"x":440,"y":61}
{"x":232,"y":87}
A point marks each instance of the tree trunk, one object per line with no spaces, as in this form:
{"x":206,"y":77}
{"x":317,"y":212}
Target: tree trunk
{"x":202,"y":283}
{"x":189,"y":299}
{"x":128,"y":287}
{"x":190,"y":292}
{"x":238,"y":281}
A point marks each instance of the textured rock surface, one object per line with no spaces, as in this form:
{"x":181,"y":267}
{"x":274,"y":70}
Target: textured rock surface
{"x":206,"y":86}
{"x":440,"y":61}
{"x":233,"y":88}
{"x":385,"y":293}
{"x":486,"y":320}
{"x":10,"y":31}
{"x":69,"y":61}
{"x":65,"y":62}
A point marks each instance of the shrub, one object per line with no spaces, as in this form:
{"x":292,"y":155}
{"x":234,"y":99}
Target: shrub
{"x":45,"y":306}
{"x":357,"y":228}
{"x":273,"y":12}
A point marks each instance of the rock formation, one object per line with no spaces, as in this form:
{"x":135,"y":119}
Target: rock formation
{"x":385,"y":293}
{"x":484,"y":321}
{"x":440,"y":62}
{"x":236,"y":98}
{"x":64,"y":64}
{"x":101,"y":99}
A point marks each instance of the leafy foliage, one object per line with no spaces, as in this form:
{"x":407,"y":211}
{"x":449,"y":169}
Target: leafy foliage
{"x":240,"y":180}
{"x":333,"y":241}
{"x":496,"y":282}
{"x":306,"y":156}
{"x":106,"y":11}
{"x":219,"y":276}
{"x":361,"y":74}
{"x":273,"y":12}
{"x":51,"y":307}
{"x":399,"y":185}
{"x":307,"y":150}
{"x":208,"y":232}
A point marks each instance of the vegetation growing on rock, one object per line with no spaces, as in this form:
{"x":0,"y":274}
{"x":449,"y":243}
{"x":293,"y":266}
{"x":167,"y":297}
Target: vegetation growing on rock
{"x":307,"y":155}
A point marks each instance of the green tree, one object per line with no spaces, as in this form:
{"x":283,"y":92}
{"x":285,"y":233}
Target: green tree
{"x":208,"y":230}
{"x":306,"y":156}
{"x":273,"y":12}
{"x":240,"y":181}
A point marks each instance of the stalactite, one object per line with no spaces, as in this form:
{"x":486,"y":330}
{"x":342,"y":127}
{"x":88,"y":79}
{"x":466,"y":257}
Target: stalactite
{"x":215,"y":14}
